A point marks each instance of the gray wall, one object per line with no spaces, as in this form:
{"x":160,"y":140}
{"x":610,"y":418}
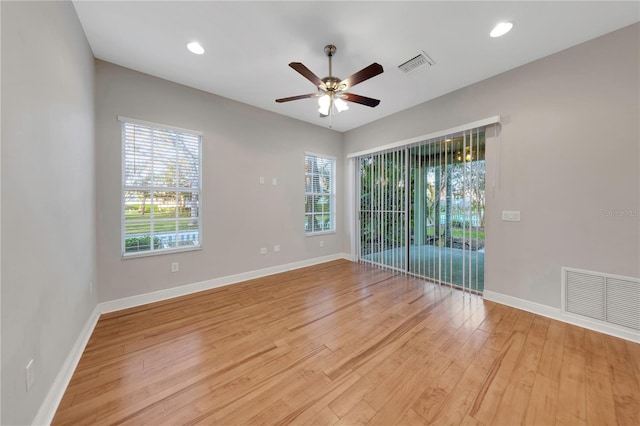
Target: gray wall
{"x":567,"y":154}
{"x":48,"y":196}
{"x":240,"y":144}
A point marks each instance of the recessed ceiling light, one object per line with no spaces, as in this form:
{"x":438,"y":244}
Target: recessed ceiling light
{"x":195,"y":47}
{"x":501,"y":29}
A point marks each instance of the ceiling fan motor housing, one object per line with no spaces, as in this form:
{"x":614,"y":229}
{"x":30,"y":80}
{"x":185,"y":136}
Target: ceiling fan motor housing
{"x":332,"y":84}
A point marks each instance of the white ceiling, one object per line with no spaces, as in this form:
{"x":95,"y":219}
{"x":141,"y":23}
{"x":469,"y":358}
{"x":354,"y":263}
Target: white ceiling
{"x":250,"y":44}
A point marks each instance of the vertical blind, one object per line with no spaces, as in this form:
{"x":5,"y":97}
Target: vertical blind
{"x":421,"y":209}
{"x":161,"y":188}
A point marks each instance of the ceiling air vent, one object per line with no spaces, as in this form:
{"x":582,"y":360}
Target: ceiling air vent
{"x":421,"y":61}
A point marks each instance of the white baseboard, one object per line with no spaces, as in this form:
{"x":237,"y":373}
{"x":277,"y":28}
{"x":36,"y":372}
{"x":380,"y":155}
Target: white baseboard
{"x":348,"y":256}
{"x":47,"y":410}
{"x":558,"y":314}
{"x":183,"y":290}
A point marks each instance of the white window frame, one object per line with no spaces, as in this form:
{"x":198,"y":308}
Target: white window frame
{"x":124,"y":188}
{"x":332,"y":196}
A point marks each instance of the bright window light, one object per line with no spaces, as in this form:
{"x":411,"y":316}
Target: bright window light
{"x":501,"y":29}
{"x":195,"y":47}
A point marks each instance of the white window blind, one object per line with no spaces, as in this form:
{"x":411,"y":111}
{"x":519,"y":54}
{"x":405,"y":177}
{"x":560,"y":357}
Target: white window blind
{"x":161,"y":188}
{"x":320,"y":208}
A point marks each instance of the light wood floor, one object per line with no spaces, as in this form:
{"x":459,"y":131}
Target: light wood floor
{"x":341,"y":343}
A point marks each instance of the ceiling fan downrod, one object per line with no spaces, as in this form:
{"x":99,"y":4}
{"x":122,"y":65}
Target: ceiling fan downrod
{"x":330,"y":49}
{"x":331,"y":83}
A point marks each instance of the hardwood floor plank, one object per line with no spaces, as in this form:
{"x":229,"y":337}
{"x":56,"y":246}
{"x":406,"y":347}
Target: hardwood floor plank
{"x":551,"y":358}
{"x":626,"y":396}
{"x":543,"y":402}
{"x":489,"y":396}
{"x":401,"y":391}
{"x":634,"y":354}
{"x":574,"y":355}
{"x":360,"y":414}
{"x":344,"y":343}
{"x":514,"y":403}
{"x":411,"y":418}
{"x":458,"y":402}
{"x":572,"y":402}
{"x":437,"y":392}
{"x":324,"y":417}
{"x":599,"y":399}
{"x":306,"y":411}
{"x":572,"y":405}
{"x":388,"y":363}
{"x":250,"y":404}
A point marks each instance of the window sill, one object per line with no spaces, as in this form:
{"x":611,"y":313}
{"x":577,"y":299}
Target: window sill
{"x":313,"y":234}
{"x":137,"y":254}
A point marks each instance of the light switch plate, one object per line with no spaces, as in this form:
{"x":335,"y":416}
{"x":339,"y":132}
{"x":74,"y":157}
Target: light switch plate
{"x":511,"y":215}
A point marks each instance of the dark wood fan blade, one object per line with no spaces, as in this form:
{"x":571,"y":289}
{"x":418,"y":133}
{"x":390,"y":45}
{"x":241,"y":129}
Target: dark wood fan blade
{"x":295,"y":98}
{"x":362,"y":75}
{"x":306,"y":73}
{"x":351,"y":97}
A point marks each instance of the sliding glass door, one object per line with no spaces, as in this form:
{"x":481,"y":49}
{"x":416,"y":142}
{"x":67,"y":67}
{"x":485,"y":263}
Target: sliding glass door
{"x":421,"y":209}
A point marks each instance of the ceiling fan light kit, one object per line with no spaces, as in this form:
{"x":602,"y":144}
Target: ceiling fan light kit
{"x":331,"y":94}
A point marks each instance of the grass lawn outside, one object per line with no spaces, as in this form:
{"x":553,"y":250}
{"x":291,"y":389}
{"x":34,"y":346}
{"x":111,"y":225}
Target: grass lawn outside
{"x":457,"y":232}
{"x":164,"y":221}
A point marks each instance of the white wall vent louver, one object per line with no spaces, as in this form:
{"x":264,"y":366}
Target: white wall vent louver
{"x":611,"y":299}
{"x":420,"y":61}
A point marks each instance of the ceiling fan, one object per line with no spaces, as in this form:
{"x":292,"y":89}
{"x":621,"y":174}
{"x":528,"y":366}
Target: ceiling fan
{"x":331,"y":90}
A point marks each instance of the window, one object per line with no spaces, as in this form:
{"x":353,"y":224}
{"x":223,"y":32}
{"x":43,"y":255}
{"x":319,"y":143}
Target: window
{"x":320,"y":207}
{"x":161,"y":188}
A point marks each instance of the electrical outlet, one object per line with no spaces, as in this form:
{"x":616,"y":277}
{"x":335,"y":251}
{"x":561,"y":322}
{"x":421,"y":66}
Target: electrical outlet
{"x":261,"y":180}
{"x":274,"y":181}
{"x":175,"y":267}
{"x":29,"y":375}
{"x":276,"y":248}
{"x":321,"y":243}
{"x":263,"y":250}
